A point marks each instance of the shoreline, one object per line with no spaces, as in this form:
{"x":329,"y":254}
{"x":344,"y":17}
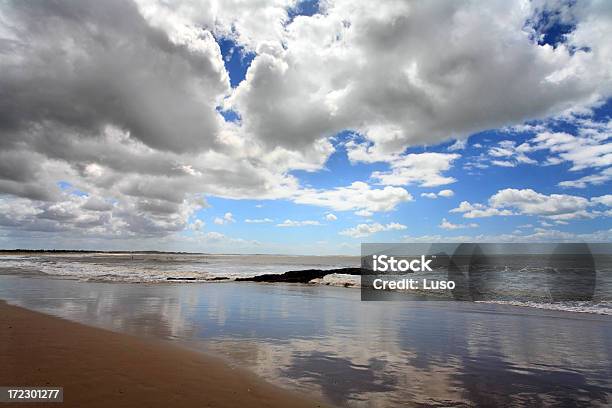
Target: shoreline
{"x":100,"y":368}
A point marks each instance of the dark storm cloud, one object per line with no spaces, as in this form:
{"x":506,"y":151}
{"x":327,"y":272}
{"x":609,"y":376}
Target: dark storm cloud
{"x":88,"y":64}
{"x":92,"y":93}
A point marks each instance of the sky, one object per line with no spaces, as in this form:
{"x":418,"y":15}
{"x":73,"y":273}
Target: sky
{"x":303,"y":127}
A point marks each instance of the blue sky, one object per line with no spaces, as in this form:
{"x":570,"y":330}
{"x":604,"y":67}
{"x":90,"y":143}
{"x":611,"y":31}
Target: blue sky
{"x":421,"y":216}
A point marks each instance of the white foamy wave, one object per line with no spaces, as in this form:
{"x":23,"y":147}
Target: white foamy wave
{"x":603,"y":307}
{"x":339,"y":279}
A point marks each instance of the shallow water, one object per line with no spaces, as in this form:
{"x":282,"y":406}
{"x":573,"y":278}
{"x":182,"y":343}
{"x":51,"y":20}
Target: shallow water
{"x":324,"y":341}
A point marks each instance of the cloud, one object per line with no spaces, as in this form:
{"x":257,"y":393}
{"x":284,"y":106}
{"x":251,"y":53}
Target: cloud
{"x":303,"y":223}
{"x":125,"y":111}
{"x":589,"y":148}
{"x":478,"y":210}
{"x":364,"y":230}
{"x":258,"y":220}
{"x":442,"y":193}
{"x":604,"y":199}
{"x":529,"y":202}
{"x":364,"y":213}
{"x":586,"y":151}
{"x":459,"y":144}
{"x":75,"y":216}
{"x":359,"y":196}
{"x":197,"y":225}
{"x":345,"y":69}
{"x":539,"y":235}
{"x":558,"y":207}
{"x":445,"y":224}
{"x":594,"y":179}
{"x":330,"y":217}
{"x":228,"y":218}
{"x":165,"y":85}
{"x":424,"y":169}
{"x":511,"y":154}
{"x":502,"y":163}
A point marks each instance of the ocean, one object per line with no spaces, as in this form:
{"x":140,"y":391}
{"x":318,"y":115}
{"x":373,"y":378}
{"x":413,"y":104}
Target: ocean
{"x":526,"y":281}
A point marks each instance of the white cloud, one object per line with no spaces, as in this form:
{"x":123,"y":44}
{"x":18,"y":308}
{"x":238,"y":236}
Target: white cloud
{"x":367,"y":152}
{"x":509,"y":154}
{"x":459,"y":144}
{"x":364,"y":213}
{"x":594,"y":179}
{"x":228,"y":218}
{"x":558,"y":207}
{"x":331,"y":217}
{"x":478,"y":210}
{"x":503,"y":163}
{"x":529,"y":202}
{"x":442,"y":193}
{"x":198,"y":225}
{"x":75,"y":216}
{"x":359,"y":196}
{"x":303,"y":223}
{"x":341,"y":70}
{"x":539,"y":235}
{"x":364,"y":230}
{"x":604,"y":200}
{"x":424,"y":169}
{"x":258,"y":220}
{"x":445,"y":224}
{"x":591,"y":149}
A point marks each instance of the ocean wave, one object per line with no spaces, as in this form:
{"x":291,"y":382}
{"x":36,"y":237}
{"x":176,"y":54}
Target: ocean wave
{"x":602,"y":307}
{"x":339,"y":279}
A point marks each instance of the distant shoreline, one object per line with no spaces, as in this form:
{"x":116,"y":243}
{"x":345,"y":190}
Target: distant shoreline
{"x":146,"y":252}
{"x":87,"y":251}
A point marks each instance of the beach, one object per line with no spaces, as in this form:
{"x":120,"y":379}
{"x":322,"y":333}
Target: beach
{"x":324,"y":342}
{"x":306,"y":203}
{"x":100,"y":368}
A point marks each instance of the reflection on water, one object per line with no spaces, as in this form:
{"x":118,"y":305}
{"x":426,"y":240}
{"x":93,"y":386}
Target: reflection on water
{"x":324,"y":340}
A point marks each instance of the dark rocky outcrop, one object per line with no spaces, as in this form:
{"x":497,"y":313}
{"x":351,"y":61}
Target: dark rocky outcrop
{"x":303,"y":276}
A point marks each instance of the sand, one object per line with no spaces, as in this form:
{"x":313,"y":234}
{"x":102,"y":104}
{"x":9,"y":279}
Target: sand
{"x":100,"y":368}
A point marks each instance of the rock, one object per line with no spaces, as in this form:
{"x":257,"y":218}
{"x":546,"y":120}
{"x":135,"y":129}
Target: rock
{"x":303,"y":276}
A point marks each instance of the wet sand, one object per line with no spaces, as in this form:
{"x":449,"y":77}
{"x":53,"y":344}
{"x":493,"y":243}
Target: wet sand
{"x":100,"y":368}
